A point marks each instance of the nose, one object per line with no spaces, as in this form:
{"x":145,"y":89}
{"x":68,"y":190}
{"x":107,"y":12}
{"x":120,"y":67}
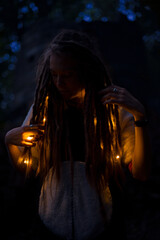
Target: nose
{"x":60,"y":82}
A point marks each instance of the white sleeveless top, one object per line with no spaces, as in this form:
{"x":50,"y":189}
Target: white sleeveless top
{"x":72,"y":211}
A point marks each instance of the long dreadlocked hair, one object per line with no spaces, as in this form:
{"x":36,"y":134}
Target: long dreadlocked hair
{"x":101,"y":123}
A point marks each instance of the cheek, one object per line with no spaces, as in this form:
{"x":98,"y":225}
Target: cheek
{"x":75,"y":82}
{"x":74,"y":86}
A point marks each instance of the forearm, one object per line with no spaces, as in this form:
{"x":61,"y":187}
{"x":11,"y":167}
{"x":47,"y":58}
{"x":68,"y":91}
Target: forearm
{"x":14,"y":153}
{"x":141,"y":160}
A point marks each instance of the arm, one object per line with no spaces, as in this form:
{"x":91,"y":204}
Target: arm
{"x":15,"y":141}
{"x":14,"y":151}
{"x":141,"y":160}
{"x":141,"y":157}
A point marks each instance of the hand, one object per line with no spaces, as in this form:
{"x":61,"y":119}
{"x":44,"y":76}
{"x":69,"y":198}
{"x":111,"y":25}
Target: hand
{"x":120,"y":96}
{"x":25,"y":135}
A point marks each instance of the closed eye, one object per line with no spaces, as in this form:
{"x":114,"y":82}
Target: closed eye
{"x":66,"y":74}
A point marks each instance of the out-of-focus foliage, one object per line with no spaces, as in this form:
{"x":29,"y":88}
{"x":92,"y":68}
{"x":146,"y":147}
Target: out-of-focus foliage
{"x":16,"y":16}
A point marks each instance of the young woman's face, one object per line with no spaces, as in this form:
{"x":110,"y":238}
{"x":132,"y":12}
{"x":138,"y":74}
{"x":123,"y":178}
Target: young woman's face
{"x":65,"y":76}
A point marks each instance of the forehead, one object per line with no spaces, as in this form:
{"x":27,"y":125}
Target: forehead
{"x":62,"y":62}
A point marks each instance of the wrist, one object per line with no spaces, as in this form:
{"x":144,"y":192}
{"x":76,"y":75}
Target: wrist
{"x":140,"y":119}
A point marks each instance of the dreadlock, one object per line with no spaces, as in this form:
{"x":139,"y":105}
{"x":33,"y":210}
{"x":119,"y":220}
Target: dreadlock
{"x":101,"y":123}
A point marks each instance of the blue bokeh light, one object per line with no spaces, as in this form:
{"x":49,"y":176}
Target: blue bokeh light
{"x":89,"y":5}
{"x":129,"y":10}
{"x":104,"y":19}
{"x":24,"y":10}
{"x":33,"y":7}
{"x":15,"y":46}
{"x":87,"y":18}
{"x":131,"y":16}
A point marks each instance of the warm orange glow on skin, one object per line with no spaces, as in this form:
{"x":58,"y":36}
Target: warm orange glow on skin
{"x":25,"y":161}
{"x":28,"y":138}
{"x":80,"y":94}
{"x":27,"y":143}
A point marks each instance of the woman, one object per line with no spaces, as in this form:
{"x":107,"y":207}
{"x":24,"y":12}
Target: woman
{"x":79,"y":135}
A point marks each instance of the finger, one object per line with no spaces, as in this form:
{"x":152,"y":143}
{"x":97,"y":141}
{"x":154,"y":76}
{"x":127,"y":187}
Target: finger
{"x":28,"y":144}
{"x":38,"y":132}
{"x":33,"y":131}
{"x":39,"y":126}
{"x":109,"y":90}
{"x":112,"y":101}
{"x":34,"y":127}
{"x":109,"y":96}
{"x":32,"y":138}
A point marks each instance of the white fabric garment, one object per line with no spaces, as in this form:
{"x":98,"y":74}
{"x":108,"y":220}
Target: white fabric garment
{"x":73,"y":211}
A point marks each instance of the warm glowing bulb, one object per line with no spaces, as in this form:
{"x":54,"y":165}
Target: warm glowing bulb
{"x":44,"y":119}
{"x":26,"y":161}
{"x":117,"y":157}
{"x":30,"y":138}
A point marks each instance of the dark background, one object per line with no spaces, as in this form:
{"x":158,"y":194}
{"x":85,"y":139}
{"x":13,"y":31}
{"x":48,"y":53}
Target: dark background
{"x":128,"y":33}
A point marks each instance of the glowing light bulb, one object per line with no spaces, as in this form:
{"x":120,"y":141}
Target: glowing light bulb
{"x":44,"y":120}
{"x":29,"y":138}
{"x":117,"y":157}
{"x":26,"y":161}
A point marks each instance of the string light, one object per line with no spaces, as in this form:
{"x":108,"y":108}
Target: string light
{"x":45,"y":110}
{"x":26,"y":161}
{"x":44,"y":120}
{"x":30,"y":138}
